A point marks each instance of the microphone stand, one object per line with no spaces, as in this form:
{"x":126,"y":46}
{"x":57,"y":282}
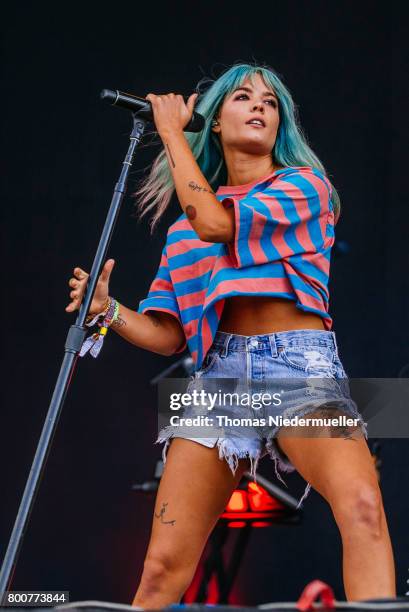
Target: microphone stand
{"x":74,"y":340}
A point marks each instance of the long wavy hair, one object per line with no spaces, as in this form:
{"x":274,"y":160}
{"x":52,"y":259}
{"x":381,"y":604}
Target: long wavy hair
{"x":290,"y":149}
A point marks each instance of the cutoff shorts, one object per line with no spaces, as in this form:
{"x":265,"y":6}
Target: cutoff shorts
{"x":304,"y":361}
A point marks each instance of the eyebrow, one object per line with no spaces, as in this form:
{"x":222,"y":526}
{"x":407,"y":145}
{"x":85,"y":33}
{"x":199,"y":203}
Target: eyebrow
{"x":265,"y":93}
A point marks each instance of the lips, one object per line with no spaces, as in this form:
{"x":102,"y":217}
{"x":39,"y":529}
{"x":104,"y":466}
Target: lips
{"x":249,"y":122}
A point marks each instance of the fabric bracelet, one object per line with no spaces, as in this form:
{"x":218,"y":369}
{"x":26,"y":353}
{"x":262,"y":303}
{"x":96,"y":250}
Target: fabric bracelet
{"x":92,"y":319}
{"x":94,"y":343}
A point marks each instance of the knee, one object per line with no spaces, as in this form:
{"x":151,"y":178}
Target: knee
{"x":161,"y":570}
{"x":359,"y":509}
{"x":155,"y":569}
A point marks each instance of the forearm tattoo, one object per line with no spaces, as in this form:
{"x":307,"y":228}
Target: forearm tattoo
{"x":161,"y":513}
{"x":172,"y":161}
{"x":195,"y":187}
{"x":190,"y":212}
{"x":120,"y":322}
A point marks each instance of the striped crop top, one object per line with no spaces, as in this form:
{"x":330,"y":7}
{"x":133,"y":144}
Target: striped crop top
{"x":284,"y":231}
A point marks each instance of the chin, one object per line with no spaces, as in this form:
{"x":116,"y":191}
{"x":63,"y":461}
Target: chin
{"x":254,"y":148}
{"x":255,"y":143}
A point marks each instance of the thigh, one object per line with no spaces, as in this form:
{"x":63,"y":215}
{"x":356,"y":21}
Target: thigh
{"x":194,"y":490}
{"x":330,"y":465}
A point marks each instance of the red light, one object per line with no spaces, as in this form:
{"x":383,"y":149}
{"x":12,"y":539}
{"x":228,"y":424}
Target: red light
{"x":246,"y":515}
{"x":260,"y":500}
{"x":212,"y":591}
{"x":238,"y":501}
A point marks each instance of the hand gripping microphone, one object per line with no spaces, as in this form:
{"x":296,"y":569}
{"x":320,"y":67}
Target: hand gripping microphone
{"x":143,"y":108}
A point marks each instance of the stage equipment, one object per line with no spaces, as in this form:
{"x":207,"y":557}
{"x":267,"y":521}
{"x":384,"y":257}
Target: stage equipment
{"x":143,"y":108}
{"x":313,"y":591}
{"x":74,"y":340}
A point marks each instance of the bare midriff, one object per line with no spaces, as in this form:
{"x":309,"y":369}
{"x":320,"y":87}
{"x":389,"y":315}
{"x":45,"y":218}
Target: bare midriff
{"x":249,"y":315}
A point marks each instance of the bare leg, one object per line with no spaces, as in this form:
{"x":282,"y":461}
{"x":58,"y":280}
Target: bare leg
{"x":343,"y":472}
{"x":194,"y":490}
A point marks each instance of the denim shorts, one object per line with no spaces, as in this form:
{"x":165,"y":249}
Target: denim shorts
{"x":303,"y":361}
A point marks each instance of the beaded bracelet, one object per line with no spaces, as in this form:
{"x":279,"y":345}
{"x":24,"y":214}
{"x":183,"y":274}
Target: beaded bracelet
{"x":94,"y":343}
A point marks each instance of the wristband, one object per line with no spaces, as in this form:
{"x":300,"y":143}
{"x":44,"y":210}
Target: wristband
{"x":92,"y":319}
{"x":94,"y":343}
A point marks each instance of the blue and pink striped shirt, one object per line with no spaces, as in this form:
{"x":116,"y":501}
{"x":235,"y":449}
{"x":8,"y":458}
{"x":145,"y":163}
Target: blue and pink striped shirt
{"x":284,"y":232}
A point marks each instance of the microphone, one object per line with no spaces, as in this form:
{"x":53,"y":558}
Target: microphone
{"x":143,"y":108}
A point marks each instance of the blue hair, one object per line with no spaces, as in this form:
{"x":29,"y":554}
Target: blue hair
{"x":290,"y":149}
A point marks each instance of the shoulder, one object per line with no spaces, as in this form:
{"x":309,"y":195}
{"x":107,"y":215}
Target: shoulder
{"x":307,"y":178}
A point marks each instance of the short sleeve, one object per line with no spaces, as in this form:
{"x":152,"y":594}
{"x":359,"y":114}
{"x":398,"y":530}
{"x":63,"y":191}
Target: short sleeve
{"x":161,"y":295}
{"x":280,"y":218}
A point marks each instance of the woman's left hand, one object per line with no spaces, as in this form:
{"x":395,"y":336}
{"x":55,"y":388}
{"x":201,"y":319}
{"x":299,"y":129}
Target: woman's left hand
{"x":170,"y":112}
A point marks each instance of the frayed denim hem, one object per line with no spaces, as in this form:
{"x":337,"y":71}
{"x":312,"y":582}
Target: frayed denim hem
{"x":165,"y":436}
{"x":227,"y":450}
{"x":283,"y":463}
{"x":285,"y":466}
{"x":324,"y":404}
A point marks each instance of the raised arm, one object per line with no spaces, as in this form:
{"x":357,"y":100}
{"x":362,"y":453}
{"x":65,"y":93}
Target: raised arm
{"x":207,"y":216}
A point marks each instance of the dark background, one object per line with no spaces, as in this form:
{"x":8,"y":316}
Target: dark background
{"x":346,"y":66}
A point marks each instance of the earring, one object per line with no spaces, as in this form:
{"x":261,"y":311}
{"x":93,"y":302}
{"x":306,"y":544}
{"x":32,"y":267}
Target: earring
{"x":215,"y":123}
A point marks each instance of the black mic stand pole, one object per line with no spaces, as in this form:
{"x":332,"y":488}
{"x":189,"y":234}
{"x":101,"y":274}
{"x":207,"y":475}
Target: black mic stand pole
{"x":75,"y":338}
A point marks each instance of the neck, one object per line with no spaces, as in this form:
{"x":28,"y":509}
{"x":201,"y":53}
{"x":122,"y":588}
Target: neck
{"x":244,"y":168}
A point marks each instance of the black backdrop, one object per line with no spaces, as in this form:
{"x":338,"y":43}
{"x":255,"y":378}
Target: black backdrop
{"x":345,"y":64}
